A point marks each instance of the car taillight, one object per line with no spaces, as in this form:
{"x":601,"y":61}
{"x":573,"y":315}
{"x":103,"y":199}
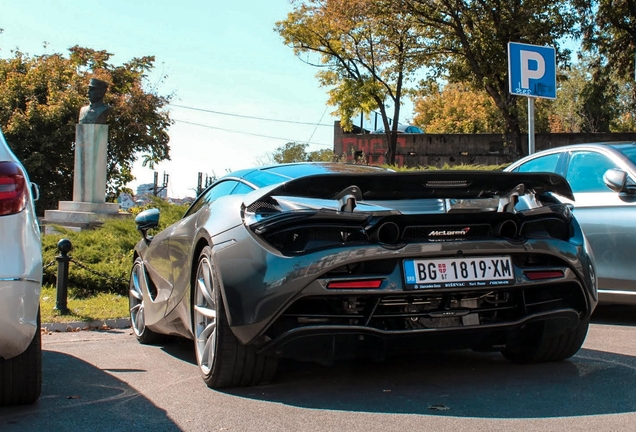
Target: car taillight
{"x":13,"y":188}
{"x":355,"y":284}
{"x":543,"y":274}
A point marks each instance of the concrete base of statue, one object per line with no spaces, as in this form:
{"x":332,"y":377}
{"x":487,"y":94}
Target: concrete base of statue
{"x":91,"y":158}
{"x":77,"y":216}
{"x":89,"y":207}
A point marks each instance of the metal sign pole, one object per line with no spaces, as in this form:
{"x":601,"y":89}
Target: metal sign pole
{"x":530,"y":125}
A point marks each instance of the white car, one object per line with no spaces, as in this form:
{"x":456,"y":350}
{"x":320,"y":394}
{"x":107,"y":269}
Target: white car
{"x":20,"y":284}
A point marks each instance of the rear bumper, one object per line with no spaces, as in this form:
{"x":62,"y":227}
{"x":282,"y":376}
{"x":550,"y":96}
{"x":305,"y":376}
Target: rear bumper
{"x":327,"y":343}
{"x":269,"y":296}
{"x":20,"y":281}
{"x":19,"y":304}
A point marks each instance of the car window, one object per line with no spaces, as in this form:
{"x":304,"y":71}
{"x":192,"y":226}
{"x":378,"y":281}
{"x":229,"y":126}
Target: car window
{"x":261,"y":178}
{"x":585,"y":171}
{"x":222,"y":188}
{"x":546,"y":163}
{"x":241,"y":189}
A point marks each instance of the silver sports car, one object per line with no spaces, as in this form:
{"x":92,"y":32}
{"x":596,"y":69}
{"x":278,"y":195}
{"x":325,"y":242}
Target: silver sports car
{"x":325,"y":261}
{"x":603,"y":181}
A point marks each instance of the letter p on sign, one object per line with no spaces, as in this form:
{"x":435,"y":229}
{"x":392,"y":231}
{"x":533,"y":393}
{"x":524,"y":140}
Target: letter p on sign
{"x":532,"y":70}
{"x":528,"y":73}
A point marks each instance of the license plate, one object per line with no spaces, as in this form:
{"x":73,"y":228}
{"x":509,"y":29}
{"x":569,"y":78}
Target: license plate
{"x":458,"y":272}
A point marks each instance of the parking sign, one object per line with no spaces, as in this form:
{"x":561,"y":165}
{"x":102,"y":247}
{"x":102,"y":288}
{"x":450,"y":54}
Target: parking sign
{"x":532,"y":70}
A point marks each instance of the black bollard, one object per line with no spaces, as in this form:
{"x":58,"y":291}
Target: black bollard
{"x":64,"y":246}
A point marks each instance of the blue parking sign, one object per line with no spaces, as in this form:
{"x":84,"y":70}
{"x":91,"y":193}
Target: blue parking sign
{"x":532,"y":70}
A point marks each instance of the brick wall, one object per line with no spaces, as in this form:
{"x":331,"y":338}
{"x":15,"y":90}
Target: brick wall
{"x":454,"y":149}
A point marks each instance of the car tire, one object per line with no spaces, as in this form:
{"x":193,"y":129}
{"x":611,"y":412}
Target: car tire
{"x":21,"y":376}
{"x":137,"y":297}
{"x":548,"y":347}
{"x":223,"y":360}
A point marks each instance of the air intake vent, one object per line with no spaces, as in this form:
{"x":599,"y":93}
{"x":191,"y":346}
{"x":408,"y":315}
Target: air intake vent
{"x":263,"y":206}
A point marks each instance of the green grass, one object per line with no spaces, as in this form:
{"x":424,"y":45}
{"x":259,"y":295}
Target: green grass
{"x":102,"y":257}
{"x":99,"y":272}
{"x":97,"y":307}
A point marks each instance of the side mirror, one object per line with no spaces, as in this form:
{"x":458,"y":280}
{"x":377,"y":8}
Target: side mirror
{"x":615,"y":179}
{"x":146,"y":220}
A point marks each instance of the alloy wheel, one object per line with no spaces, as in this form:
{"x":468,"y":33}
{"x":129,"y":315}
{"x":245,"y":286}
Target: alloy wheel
{"x":136,"y":300}
{"x":205,"y":313}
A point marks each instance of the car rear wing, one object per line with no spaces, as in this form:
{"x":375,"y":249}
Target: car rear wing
{"x":458,"y":184}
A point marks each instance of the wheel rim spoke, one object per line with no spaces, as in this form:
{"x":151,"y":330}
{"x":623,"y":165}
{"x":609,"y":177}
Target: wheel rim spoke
{"x":206,"y":312}
{"x":206,"y":334}
{"x":205,"y":283}
{"x":136,"y":294}
{"x":137,"y":318}
{"x":141,"y":319}
{"x":135,"y":309}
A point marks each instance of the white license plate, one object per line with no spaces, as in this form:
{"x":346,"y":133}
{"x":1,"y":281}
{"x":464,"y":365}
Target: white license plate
{"x":458,"y":272}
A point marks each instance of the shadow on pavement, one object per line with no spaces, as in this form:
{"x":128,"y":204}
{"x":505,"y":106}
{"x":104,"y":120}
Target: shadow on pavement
{"x":615,"y":315}
{"x":182,"y":349}
{"x":460,"y":384}
{"x":77,"y":396}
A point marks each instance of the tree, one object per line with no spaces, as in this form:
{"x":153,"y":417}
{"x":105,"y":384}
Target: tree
{"x":587,"y":100}
{"x":609,"y":34}
{"x":609,"y":30}
{"x":625,"y":118}
{"x":297,"y":152}
{"x":40,"y":99}
{"x":467,"y":42}
{"x":367,"y":50}
{"x":455,"y":108}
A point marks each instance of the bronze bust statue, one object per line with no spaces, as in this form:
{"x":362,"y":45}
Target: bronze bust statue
{"x":97,"y":112}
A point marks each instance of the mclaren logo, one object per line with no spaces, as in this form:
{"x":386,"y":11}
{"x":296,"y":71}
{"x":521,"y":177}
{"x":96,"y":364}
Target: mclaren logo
{"x":447,"y":233}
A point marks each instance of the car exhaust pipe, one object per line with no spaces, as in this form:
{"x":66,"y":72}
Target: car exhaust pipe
{"x":507,"y":229}
{"x":388,"y":233}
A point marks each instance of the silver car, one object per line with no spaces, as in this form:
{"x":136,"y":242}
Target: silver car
{"x":20,"y":284}
{"x":603,"y":180}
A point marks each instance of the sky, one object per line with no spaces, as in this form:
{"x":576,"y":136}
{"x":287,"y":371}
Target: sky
{"x":219,"y":56}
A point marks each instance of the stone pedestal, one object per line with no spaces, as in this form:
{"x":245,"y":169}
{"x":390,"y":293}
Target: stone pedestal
{"x":89,"y":207}
{"x":91,"y":148}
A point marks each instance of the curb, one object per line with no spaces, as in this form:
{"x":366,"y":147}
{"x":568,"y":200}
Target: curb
{"x":118,"y":323}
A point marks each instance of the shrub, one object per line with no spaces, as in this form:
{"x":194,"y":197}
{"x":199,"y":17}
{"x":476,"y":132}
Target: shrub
{"x":102,"y":257}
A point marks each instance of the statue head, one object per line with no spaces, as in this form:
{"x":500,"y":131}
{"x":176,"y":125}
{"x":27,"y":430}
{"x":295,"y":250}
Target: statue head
{"x":97,"y":111}
{"x":97,"y":90}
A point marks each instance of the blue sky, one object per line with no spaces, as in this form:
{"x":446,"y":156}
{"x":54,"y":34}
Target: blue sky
{"x":219,"y":56}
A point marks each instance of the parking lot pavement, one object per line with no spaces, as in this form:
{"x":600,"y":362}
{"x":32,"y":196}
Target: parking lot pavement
{"x":106,"y":381}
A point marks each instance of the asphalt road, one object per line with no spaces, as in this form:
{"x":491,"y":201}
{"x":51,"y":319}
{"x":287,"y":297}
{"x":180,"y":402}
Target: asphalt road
{"x":106,"y":381}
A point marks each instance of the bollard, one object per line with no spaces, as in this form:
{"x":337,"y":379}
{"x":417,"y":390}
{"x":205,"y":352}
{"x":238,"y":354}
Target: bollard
{"x":64,"y":246}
